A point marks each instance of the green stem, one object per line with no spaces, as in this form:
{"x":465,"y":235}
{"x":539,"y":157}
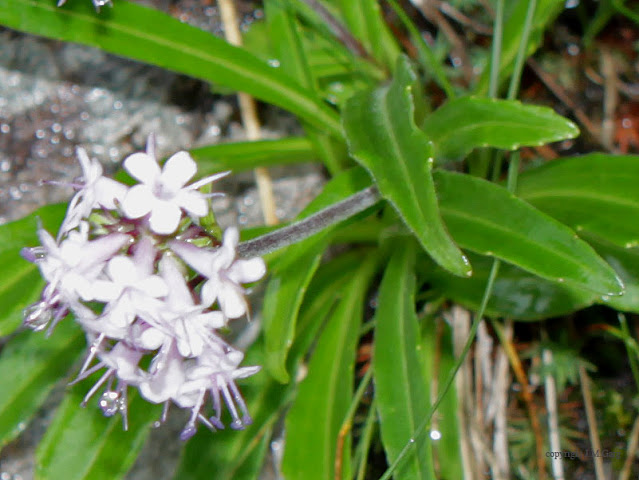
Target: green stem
{"x":309,"y":226}
{"x":513,"y":89}
{"x":495,"y":59}
{"x":632,"y":358}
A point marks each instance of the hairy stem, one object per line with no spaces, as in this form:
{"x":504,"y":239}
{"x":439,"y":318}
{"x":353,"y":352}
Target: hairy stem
{"x":311,"y":225}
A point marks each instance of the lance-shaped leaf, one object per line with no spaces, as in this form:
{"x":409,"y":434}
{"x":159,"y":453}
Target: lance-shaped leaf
{"x":594,"y":193}
{"x":153,"y":37}
{"x":314,"y":421}
{"x":30,"y":365}
{"x":516,"y":294}
{"x":486,"y":218}
{"x":292,"y":274}
{"x":382,"y":136}
{"x":81,"y":444}
{"x":20,"y":283}
{"x":402,"y":396}
{"x":464,"y":124}
{"x":238,"y":156}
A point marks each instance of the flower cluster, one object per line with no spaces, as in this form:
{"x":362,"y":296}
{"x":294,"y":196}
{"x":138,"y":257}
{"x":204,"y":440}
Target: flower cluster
{"x":149,"y":287}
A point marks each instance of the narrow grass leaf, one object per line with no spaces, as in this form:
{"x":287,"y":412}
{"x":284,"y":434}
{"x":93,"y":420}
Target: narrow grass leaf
{"x":401,"y":393}
{"x":20,"y":284}
{"x":30,"y":365}
{"x":240,"y":156}
{"x":383,"y":137}
{"x":81,"y":444}
{"x":153,"y":37}
{"x":294,"y":270}
{"x":324,"y":396}
{"x":466,"y":123}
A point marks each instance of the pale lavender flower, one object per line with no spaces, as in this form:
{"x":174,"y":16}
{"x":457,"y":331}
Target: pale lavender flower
{"x":163,"y":193}
{"x":224,"y":272}
{"x":69,"y":268}
{"x":96,"y":190}
{"x":133,"y":297}
{"x":191,"y":324}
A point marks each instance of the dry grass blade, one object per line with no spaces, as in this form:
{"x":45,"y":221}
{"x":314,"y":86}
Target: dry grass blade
{"x":592,"y":422}
{"x":248,"y":111}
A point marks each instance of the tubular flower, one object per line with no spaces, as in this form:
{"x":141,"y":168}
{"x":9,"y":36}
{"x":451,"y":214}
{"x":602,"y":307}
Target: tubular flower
{"x":151,"y":322}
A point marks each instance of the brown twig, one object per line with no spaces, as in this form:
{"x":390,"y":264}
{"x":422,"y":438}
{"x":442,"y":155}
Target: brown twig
{"x":499,"y":402}
{"x":433,"y":15}
{"x":593,"y":431}
{"x":631,"y":451}
{"x":561,"y":94}
{"x":447,"y":9}
{"x":340,"y":32}
{"x":520,"y":374}
{"x":248,"y":111}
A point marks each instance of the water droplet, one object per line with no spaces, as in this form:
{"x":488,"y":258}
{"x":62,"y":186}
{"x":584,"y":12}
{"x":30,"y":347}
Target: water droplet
{"x":605,"y":298}
{"x":5,"y":476}
{"x":274,"y":62}
{"x":573,"y":49}
{"x":110,"y":403}
{"x":157,"y":424}
{"x":435,"y":434}
{"x":412,"y":440}
{"x":5,"y":128}
{"x":561,"y":280}
{"x":39,"y":133}
{"x":571,"y":3}
{"x":37,"y":316}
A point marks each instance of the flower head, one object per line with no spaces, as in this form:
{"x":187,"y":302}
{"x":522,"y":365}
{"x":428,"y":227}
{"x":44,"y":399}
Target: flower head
{"x":146,"y":326}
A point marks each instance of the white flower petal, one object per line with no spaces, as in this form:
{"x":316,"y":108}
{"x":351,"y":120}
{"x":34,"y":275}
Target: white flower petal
{"x":122,"y":270}
{"x":199,"y":259}
{"x":142,"y":167}
{"x":247,"y":271}
{"x":153,"y":286}
{"x":138,"y":201}
{"x":231,"y":300}
{"x":193,"y":202}
{"x":209,"y":293}
{"x":178,"y":170}
{"x":108,"y":190}
{"x":165,"y":217}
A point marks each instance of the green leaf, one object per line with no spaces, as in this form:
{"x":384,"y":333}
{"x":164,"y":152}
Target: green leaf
{"x":239,"y":156}
{"x":284,"y":294}
{"x":293,"y":272}
{"x":625,"y":261}
{"x":325,"y":394}
{"x":516,"y":294}
{"x":486,"y":218}
{"x":21,"y":283}
{"x":382,"y":136}
{"x":30,"y":365}
{"x":463,"y":124}
{"x":594,"y":193}
{"x":153,"y":37}
{"x":284,"y":35}
{"x":366,"y":22}
{"x":400,"y":387}
{"x":81,"y":444}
